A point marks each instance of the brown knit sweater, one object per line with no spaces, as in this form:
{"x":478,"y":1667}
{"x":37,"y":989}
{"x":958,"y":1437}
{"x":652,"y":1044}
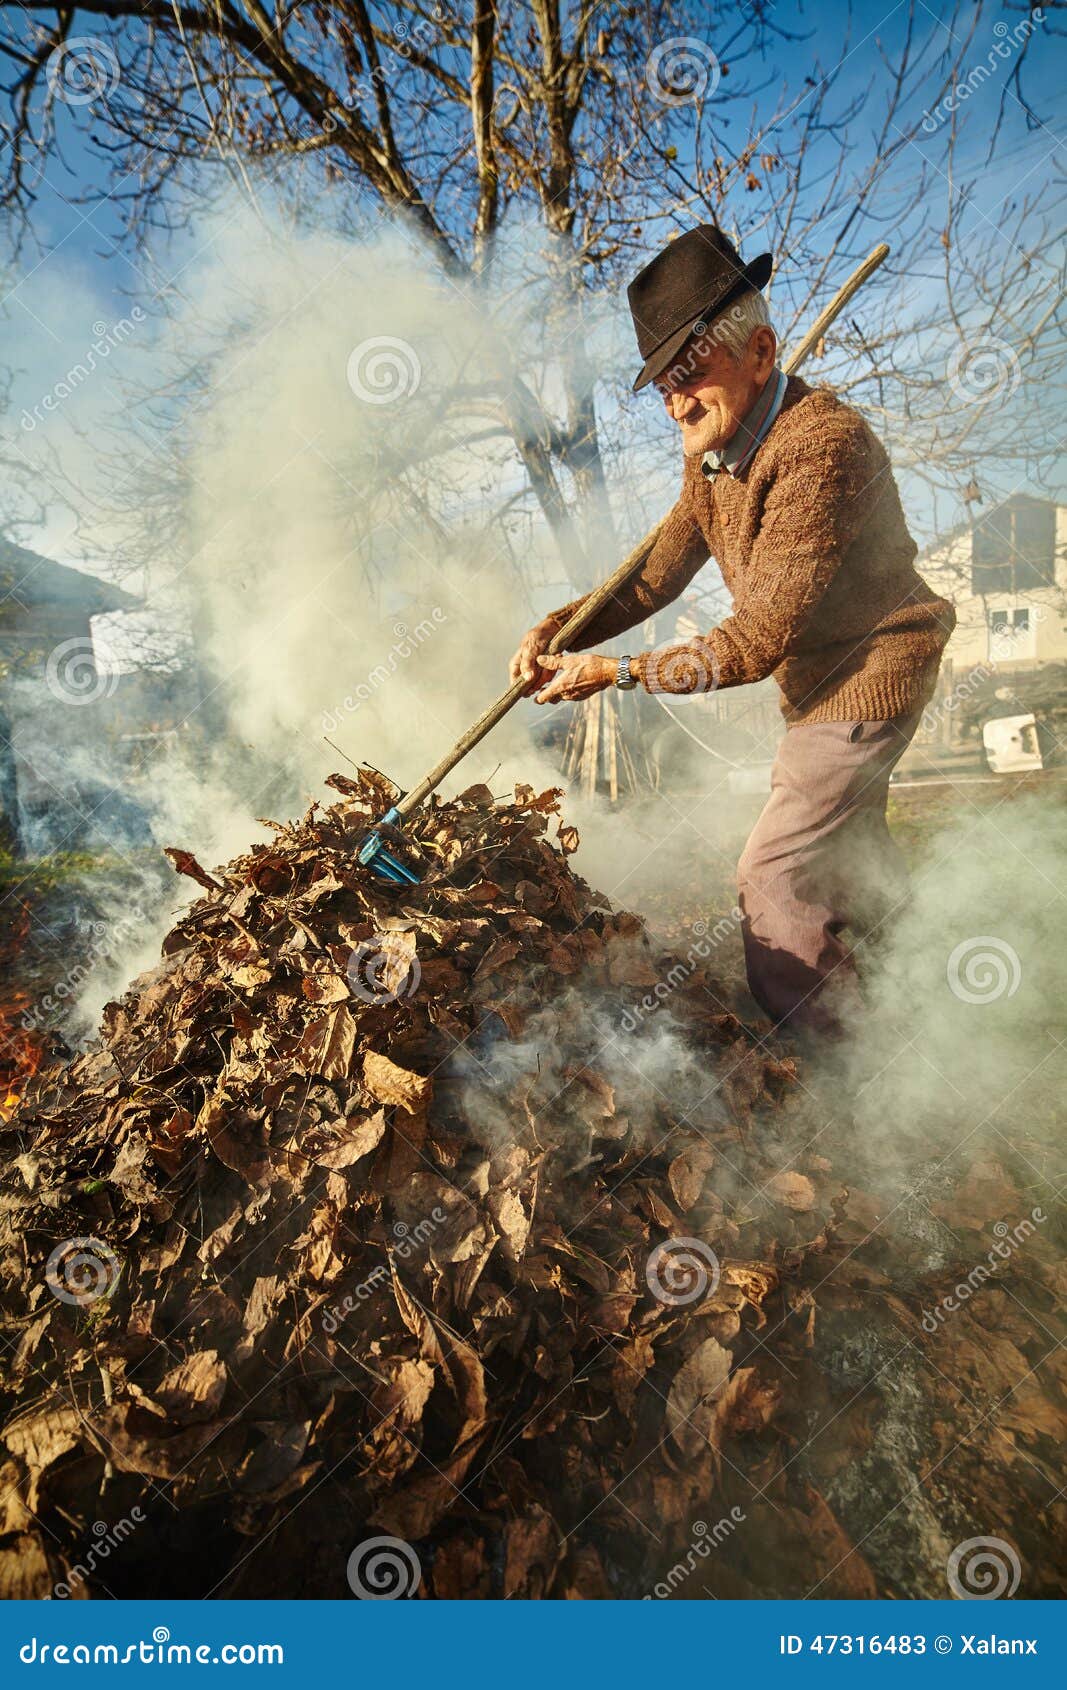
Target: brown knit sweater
{"x":813,"y":547}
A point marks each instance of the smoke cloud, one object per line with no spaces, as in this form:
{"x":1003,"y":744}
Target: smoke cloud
{"x":290,"y":445}
{"x":958,"y":1049}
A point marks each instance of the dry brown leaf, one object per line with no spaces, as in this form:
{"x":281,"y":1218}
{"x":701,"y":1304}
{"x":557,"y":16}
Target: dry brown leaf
{"x":390,"y":1083}
{"x":328,"y":1045}
{"x":691,"y":1402}
{"x":792,"y":1190}
{"x":194,"y":1389}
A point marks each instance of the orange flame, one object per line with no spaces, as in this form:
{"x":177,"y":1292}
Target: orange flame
{"x":21,"y":1047}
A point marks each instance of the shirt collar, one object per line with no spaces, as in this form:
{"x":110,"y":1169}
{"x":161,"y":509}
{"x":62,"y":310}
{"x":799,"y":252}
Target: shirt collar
{"x":754,"y":427}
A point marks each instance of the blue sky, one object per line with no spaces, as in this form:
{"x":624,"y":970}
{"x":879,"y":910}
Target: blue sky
{"x":89,"y":235}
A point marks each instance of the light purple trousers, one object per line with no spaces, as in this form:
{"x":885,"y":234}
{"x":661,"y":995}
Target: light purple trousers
{"x":820,"y":859}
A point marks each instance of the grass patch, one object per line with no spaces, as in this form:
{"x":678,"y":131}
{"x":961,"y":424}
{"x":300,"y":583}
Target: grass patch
{"x":37,"y":876}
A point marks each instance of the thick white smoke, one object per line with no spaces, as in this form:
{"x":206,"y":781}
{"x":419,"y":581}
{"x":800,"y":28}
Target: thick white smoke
{"x":332,"y":471}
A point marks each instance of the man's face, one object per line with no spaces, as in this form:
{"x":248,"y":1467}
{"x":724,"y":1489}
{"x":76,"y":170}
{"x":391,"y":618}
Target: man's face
{"x":708,"y":393}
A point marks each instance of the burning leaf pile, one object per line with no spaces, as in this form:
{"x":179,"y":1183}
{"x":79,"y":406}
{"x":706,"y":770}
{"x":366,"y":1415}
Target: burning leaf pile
{"x":22,"y":1048}
{"x":357,"y":1223}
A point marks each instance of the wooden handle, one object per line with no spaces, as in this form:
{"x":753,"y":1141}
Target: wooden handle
{"x":590,"y":605}
{"x":598,"y":598}
{"x":834,"y":309}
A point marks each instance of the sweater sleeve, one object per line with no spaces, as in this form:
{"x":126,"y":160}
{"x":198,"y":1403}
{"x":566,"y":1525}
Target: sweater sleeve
{"x":679,"y":552}
{"x":815,"y":507}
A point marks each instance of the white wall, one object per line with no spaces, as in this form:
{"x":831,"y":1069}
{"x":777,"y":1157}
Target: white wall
{"x":948,"y":570}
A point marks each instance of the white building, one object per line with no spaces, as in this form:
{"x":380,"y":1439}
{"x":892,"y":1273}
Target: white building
{"x":1006,"y":574}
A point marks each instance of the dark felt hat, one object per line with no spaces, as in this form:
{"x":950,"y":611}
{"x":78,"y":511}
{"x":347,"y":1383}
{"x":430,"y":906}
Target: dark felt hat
{"x":684,"y":287}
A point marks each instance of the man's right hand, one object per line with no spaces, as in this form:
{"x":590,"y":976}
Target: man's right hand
{"x":524,"y":665}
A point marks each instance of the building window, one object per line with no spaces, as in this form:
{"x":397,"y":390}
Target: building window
{"x":1012,"y":635}
{"x":1010,"y":621}
{"x":1013,"y":549}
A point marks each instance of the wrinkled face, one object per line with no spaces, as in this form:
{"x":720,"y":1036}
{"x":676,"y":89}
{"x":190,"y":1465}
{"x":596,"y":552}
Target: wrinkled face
{"x":708,"y":392}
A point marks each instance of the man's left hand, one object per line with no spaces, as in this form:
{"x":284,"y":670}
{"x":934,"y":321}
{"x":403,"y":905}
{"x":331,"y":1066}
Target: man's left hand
{"x":579,"y":674}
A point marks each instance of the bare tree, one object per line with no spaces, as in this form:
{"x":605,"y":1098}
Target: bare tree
{"x":404,"y":104}
{"x":615,"y":124}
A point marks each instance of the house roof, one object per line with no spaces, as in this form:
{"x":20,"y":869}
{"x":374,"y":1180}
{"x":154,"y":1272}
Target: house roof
{"x":33,"y":581}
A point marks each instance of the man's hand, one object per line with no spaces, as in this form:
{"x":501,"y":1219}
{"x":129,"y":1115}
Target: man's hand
{"x":578,"y":674}
{"x":526,"y":664}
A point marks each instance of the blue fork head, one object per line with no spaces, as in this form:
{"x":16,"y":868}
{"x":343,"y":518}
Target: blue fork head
{"x":375,"y":854}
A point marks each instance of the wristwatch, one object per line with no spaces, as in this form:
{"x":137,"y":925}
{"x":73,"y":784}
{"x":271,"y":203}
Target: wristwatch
{"x":623,"y":678}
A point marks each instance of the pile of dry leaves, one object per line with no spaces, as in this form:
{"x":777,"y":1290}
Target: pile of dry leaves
{"x":348,"y":1227}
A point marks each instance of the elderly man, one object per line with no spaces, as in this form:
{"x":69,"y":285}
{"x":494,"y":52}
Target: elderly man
{"x":792,"y":494}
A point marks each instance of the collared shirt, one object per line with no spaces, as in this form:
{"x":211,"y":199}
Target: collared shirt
{"x":754,"y":427}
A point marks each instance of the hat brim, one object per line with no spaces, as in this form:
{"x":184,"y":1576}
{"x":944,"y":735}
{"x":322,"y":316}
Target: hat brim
{"x":754,"y":275}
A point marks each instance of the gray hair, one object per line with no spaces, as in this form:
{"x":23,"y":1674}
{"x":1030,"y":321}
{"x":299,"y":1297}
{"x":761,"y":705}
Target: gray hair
{"x":735,"y":328}
{"x":732,"y":331}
